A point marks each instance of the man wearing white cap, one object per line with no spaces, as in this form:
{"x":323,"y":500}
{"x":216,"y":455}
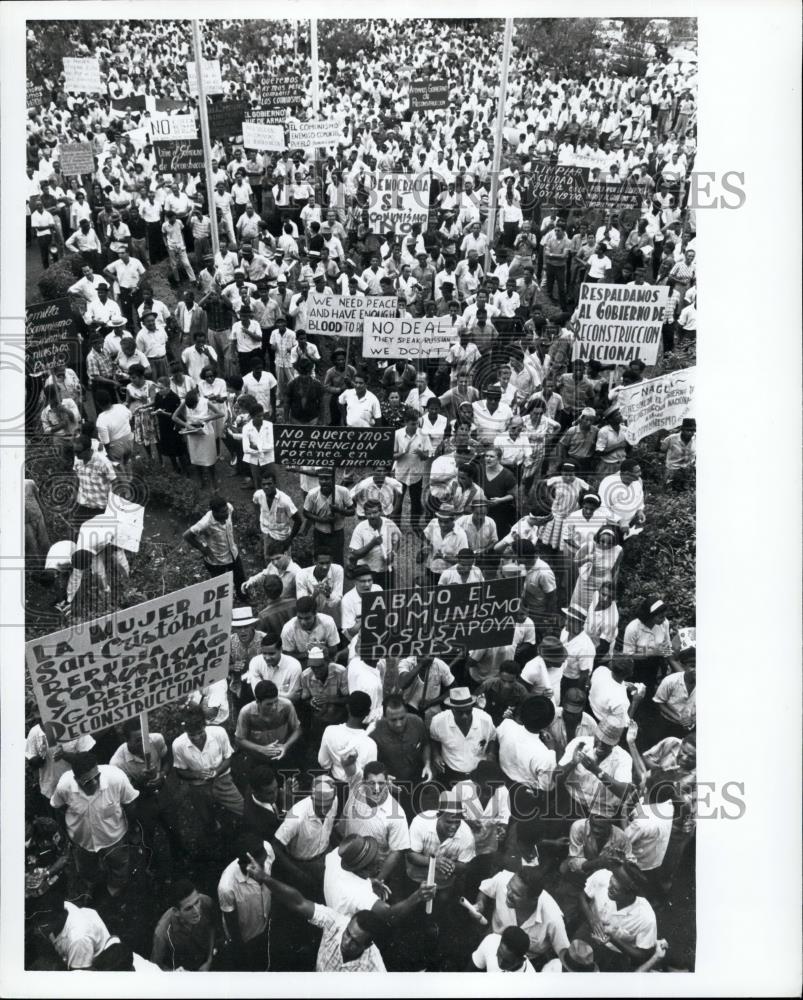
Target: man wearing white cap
{"x":596,"y":772}
{"x":460,"y":736}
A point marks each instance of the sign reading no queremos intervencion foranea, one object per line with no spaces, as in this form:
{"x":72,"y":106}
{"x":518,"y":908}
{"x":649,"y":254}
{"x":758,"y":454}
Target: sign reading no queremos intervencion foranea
{"x":421,"y":622}
{"x":332,"y":446}
{"x":90,"y":678}
{"x":620,"y":323}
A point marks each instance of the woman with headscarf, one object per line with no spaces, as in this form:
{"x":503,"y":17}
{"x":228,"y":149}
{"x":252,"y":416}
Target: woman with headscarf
{"x":599,"y":559}
{"x":648,"y":641}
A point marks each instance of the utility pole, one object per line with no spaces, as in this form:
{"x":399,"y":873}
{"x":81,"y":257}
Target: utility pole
{"x":500,"y":123}
{"x":210,"y":190}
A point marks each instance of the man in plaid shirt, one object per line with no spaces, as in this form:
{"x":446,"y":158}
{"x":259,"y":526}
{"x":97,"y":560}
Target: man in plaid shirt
{"x":99,"y":367}
{"x":95,"y":474}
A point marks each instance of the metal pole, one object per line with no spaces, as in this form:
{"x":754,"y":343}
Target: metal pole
{"x":317,"y":182}
{"x":210,"y":190}
{"x":500,"y":122}
{"x":313,"y":41}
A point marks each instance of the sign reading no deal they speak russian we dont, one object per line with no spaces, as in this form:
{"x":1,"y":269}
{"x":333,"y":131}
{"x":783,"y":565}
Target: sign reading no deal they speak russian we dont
{"x":428,"y":621}
{"x":620,"y":323}
{"x":332,"y":446}
{"x":107,"y":671}
{"x":343,"y":315}
{"x":408,"y":338}
{"x":657,"y":403}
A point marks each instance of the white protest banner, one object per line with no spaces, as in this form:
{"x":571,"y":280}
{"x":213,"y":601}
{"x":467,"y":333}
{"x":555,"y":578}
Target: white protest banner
{"x":343,"y":315}
{"x":101,"y":673}
{"x":76,"y":158}
{"x":256,"y":135}
{"x":172,"y":127}
{"x":120,"y":524}
{"x":591,"y":160}
{"x":407,"y":337}
{"x":657,"y":403}
{"x":213,"y":81}
{"x":398,"y":201}
{"x":323,"y":132}
{"x":619,"y":323}
{"x":82,"y":76}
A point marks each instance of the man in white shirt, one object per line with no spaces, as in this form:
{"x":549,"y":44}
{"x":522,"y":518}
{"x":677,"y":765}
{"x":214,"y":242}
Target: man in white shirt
{"x":97,"y":801}
{"x":596,"y":772}
{"x":77,"y":934}
{"x":274,"y":665}
{"x":523,"y":757}
{"x":340,"y":742}
{"x":358,"y":406}
{"x":513,"y":895}
{"x":620,"y":923}
{"x":505,"y":952}
{"x":460,"y":736}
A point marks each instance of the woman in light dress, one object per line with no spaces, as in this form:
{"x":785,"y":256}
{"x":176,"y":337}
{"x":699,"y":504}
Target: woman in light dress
{"x":195,"y":420}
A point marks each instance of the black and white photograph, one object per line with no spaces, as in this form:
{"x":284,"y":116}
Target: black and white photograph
{"x":358,"y":498}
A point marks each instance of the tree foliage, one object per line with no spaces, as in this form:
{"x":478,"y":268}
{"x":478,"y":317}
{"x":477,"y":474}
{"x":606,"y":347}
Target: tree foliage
{"x":342,"y":39}
{"x":569,"y":45}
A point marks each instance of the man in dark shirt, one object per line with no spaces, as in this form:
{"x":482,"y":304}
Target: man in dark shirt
{"x":403,"y":747}
{"x":304,"y":394}
{"x":503,"y":692}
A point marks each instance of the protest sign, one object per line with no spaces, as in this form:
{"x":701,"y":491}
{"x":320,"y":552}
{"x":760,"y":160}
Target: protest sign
{"x":76,"y":158}
{"x":657,"y":403}
{"x":50,"y":335}
{"x":82,"y":76}
{"x":343,"y":315}
{"x":619,"y":323}
{"x":213,"y":81}
{"x":421,"y":622}
{"x":120,"y":524}
{"x":429,"y":94}
{"x":594,"y":161}
{"x":171,"y":128}
{"x":559,"y":186}
{"x":281,"y":92}
{"x":104,"y":672}
{"x":321,"y":132}
{"x":226,"y":118}
{"x":34,"y":96}
{"x":599,"y":194}
{"x":398,"y":201}
{"x":406,"y":337}
{"x":332,"y":446}
{"x":268,"y":116}
{"x":257,"y":135}
{"x":186,"y":155}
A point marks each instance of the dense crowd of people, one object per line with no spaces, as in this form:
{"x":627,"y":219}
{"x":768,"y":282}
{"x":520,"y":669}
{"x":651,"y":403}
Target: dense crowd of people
{"x":521,"y":808}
